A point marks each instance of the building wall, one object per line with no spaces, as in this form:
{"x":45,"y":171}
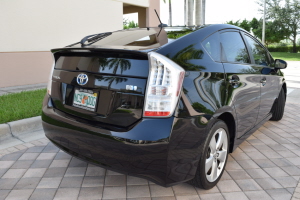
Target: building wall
{"x":29,"y":29}
{"x":147,"y":16}
{"x":152,"y":19}
{"x":24,"y":68}
{"x":142,"y":18}
{"x":35,"y":25}
{"x":142,"y":3}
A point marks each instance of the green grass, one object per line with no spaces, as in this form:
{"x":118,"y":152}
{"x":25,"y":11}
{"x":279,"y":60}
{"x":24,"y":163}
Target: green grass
{"x":21,"y":105}
{"x":286,"y":56}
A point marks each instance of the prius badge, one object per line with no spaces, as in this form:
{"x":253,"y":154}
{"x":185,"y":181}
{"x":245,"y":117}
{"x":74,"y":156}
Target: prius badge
{"x":82,"y":79}
{"x":131,"y":87}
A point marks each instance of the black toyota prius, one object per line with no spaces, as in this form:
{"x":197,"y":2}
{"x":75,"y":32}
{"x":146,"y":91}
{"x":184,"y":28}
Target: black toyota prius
{"x":170,"y":112}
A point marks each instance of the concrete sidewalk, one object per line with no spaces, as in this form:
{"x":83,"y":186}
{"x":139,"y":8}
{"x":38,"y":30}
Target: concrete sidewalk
{"x":265,"y":166}
{"x":15,"y":89}
{"x":21,"y":131}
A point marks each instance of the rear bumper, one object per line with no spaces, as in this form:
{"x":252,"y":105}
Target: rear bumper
{"x":165,"y":151}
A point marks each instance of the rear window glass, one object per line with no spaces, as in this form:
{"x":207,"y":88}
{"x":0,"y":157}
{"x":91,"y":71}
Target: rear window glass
{"x":233,"y":48}
{"x":105,"y":65}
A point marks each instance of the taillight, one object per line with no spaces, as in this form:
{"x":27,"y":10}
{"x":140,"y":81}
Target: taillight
{"x":164,"y":86}
{"x":49,"y":85}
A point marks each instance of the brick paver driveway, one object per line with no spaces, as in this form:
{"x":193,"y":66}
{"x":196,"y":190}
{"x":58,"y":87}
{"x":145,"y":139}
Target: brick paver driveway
{"x":266,"y":166}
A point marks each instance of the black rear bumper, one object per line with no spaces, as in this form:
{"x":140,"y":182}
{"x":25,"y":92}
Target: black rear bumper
{"x":165,"y":151}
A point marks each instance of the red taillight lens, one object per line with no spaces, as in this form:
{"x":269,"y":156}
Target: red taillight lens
{"x":156,"y":113}
{"x":164,"y":86}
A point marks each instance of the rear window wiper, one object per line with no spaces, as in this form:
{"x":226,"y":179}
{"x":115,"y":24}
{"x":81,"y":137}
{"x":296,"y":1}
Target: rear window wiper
{"x":90,"y":39}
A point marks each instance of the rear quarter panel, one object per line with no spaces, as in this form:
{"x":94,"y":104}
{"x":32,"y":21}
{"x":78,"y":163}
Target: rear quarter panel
{"x":203,"y":100}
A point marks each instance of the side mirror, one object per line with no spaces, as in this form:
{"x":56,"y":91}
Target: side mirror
{"x":280,"y":64}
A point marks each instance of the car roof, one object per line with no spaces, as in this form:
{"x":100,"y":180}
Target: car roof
{"x":145,"y":39}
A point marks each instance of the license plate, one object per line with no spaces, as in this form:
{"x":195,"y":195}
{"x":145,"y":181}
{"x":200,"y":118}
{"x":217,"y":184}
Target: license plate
{"x":85,"y":99}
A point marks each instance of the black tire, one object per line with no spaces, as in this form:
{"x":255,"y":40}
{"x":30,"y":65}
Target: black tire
{"x":278,"y":107}
{"x":202,"y":177}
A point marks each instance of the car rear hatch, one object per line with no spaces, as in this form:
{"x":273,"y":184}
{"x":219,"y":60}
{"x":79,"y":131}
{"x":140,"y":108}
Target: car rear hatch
{"x":102,"y":87}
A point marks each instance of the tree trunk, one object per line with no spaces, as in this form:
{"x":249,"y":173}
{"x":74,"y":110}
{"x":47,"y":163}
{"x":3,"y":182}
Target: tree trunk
{"x":294,"y":46}
{"x":190,"y":13}
{"x":294,"y":41}
{"x":198,"y":12}
{"x":170,"y":12}
{"x":203,"y":11}
{"x":185,"y":13}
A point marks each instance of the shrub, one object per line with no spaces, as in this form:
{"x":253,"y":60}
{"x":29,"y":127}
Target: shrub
{"x":178,"y":34}
{"x":282,"y":48}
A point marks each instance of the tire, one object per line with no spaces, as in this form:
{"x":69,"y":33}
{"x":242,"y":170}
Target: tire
{"x":213,"y":161}
{"x":278,"y":107}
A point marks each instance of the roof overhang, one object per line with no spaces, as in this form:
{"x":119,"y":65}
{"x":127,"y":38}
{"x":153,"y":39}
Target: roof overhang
{"x":140,"y":3}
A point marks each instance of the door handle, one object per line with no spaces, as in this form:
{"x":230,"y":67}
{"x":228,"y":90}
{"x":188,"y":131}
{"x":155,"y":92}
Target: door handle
{"x":234,"y":81}
{"x":263,"y":81}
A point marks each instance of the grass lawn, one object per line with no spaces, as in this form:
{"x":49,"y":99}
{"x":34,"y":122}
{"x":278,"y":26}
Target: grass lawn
{"x":21,"y":105}
{"x":286,"y":56}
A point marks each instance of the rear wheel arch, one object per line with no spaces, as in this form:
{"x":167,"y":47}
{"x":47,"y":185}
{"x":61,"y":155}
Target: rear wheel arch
{"x":230,"y":122}
{"x":284,"y":89}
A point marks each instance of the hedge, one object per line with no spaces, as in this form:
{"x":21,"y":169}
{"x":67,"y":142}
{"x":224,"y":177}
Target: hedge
{"x":178,"y":34}
{"x":283,"y":49}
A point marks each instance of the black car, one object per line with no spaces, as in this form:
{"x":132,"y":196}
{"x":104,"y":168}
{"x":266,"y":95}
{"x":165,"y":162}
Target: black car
{"x":192,"y":101}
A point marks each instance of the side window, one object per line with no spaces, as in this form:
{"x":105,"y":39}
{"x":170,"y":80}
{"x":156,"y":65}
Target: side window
{"x":212,"y":46}
{"x":260,"y":55}
{"x":233,"y":48}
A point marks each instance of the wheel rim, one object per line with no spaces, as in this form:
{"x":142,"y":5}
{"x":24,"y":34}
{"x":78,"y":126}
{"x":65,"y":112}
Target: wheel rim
{"x":216,"y":155}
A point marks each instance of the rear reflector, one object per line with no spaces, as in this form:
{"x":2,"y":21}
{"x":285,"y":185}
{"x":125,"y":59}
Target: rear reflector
{"x":164,"y":86}
{"x":49,"y":85}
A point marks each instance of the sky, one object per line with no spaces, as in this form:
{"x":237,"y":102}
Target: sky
{"x":217,"y":11}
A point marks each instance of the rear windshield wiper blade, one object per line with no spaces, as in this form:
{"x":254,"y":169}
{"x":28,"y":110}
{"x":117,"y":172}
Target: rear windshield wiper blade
{"x":90,"y":39}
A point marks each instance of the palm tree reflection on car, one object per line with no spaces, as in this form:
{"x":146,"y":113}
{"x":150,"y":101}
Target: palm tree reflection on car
{"x":115,"y":63}
{"x":184,"y":56}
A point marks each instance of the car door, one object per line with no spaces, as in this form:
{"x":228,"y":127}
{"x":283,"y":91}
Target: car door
{"x":269,"y":80}
{"x":243,"y":80}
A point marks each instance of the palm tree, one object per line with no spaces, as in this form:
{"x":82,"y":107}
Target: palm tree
{"x":102,"y":62}
{"x":190,"y":13}
{"x":203,"y":11}
{"x":170,"y":11}
{"x":124,"y":64}
{"x":185,"y":23}
{"x":116,"y":62}
{"x":111,"y":79}
{"x":184,"y":56}
{"x":198,"y":12}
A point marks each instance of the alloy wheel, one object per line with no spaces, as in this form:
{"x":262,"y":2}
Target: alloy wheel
{"x":216,"y":155}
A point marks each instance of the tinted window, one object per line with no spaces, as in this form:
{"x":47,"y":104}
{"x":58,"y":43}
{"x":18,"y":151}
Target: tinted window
{"x":120,"y":64}
{"x":212,"y":46}
{"x":259,"y":53}
{"x":233,"y":48}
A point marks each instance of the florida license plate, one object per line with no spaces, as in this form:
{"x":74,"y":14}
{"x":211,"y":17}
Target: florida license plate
{"x":85,"y":99}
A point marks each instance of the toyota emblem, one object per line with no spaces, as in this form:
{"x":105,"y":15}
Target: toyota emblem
{"x":82,"y":79}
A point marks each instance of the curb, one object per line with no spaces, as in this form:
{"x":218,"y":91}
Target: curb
{"x":23,"y":126}
{"x":19,"y":128}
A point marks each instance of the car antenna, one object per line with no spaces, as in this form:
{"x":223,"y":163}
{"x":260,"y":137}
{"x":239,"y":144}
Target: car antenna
{"x":161,"y":25}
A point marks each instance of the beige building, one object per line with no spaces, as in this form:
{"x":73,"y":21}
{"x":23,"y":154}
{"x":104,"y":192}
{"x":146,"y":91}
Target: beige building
{"x":29,"y":29}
